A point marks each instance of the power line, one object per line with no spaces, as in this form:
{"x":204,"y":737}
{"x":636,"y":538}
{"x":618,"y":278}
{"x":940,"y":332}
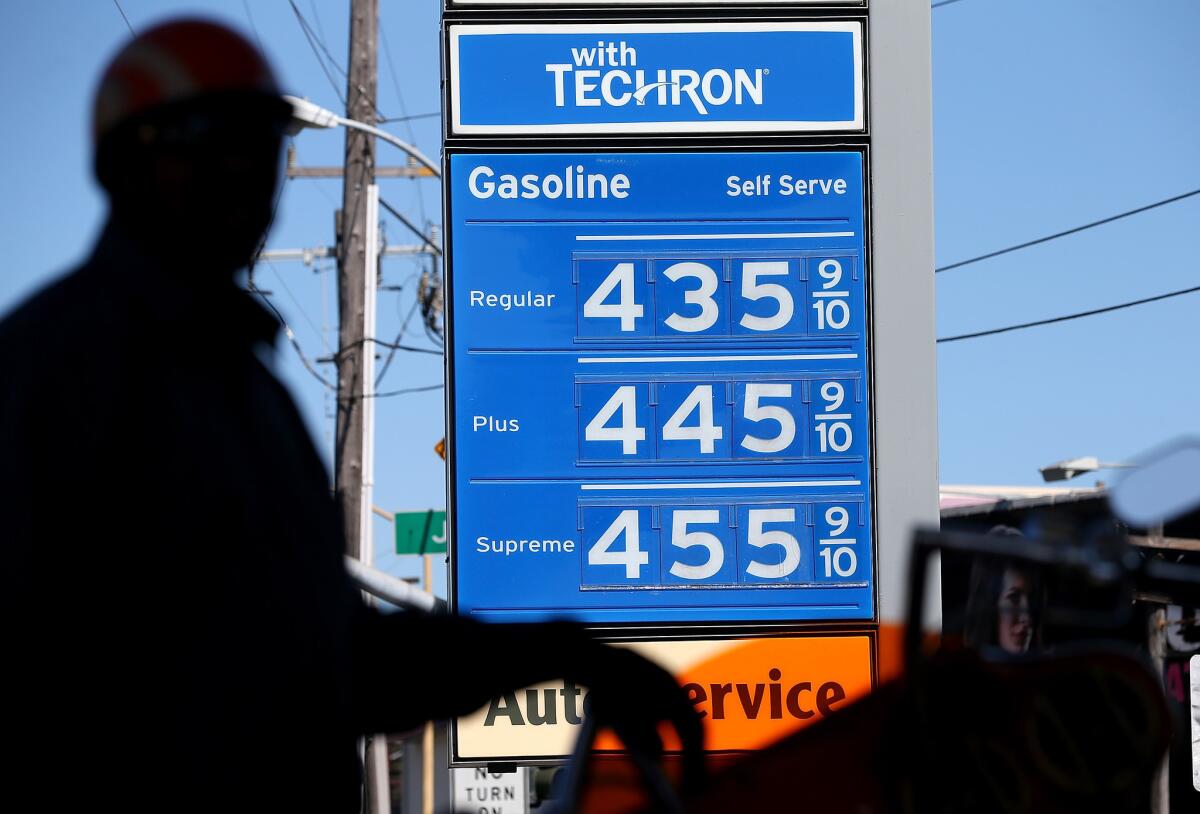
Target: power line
{"x":412,"y":348}
{"x":1067,"y":317}
{"x":410,"y":118}
{"x":117,"y":3}
{"x":316,"y":41}
{"x":433,"y":337}
{"x":409,"y":225}
{"x":943,"y":3}
{"x":385,"y":344}
{"x":395,"y":346}
{"x":312,"y":5}
{"x":253,"y":27}
{"x":309,"y":37}
{"x":411,"y":311}
{"x":387,"y":54}
{"x":423,"y":389}
{"x":404,"y":391}
{"x":392,"y":353}
{"x":291,"y":337}
{"x":304,"y":23}
{"x":320,"y":334}
{"x":1075,"y":230}
{"x":320,"y":188}
{"x":412,"y":136}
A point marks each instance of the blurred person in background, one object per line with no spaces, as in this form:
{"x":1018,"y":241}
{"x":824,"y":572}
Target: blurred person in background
{"x":1005,"y":603}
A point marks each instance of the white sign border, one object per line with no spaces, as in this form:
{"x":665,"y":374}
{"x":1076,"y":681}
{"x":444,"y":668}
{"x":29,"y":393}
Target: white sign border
{"x":459,"y":30}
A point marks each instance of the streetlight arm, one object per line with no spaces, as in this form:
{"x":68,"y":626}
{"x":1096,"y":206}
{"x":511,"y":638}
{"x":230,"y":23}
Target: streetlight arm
{"x":306,"y":114}
{"x":395,"y":142}
{"x":390,"y":589}
{"x":1065,"y":470}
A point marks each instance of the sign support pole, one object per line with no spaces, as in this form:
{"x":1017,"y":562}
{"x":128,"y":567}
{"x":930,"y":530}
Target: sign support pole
{"x":901,"y":96}
{"x":427,"y":738}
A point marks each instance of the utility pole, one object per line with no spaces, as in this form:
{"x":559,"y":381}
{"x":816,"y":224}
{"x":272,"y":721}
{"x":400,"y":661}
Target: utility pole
{"x":357,"y":260}
{"x":353,"y":271}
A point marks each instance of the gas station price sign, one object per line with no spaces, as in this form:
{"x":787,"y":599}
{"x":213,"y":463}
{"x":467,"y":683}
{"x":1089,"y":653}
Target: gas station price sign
{"x":660,"y":406}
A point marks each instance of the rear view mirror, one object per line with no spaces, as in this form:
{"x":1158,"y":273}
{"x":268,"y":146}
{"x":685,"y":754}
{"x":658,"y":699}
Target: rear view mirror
{"x":1163,"y":485}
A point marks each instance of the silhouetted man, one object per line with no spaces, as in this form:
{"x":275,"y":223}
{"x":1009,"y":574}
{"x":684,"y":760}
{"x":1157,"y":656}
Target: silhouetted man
{"x":179,"y":630}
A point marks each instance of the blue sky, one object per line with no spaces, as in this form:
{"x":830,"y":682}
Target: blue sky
{"x":1048,"y":114}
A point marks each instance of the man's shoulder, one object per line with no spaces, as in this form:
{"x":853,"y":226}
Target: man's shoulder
{"x":59,"y":331}
{"x":67,"y":308}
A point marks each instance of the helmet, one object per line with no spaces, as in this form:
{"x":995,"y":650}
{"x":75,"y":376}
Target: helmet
{"x":177,"y":62}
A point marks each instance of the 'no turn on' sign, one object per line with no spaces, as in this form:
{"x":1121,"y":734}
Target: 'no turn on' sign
{"x":479,"y":791}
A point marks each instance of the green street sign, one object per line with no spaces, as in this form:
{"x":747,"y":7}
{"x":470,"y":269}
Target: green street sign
{"x":421,"y":532}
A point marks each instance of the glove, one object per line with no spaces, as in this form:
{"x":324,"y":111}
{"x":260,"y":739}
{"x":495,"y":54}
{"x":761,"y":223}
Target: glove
{"x":632,"y":695}
{"x":627,"y":692}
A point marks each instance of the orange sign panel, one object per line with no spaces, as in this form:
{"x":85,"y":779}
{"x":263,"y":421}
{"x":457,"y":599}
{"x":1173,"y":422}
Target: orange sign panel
{"x":750,"y":693}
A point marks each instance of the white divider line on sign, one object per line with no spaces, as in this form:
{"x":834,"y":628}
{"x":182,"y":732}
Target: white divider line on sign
{"x":599,"y":360}
{"x":735,"y":236}
{"x":608,"y":487}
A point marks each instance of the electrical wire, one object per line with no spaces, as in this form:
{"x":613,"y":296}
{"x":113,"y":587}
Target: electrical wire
{"x":433,"y":336}
{"x":1067,"y":317}
{"x":943,"y":3}
{"x":412,"y":348}
{"x":299,"y":307}
{"x":393,"y":345}
{"x":423,"y":389}
{"x":1072,"y":231}
{"x":411,"y":118}
{"x":312,"y":5}
{"x":307,"y":26}
{"x":312,"y":44}
{"x":315,"y":41}
{"x":253,"y":27}
{"x":412,"y":227}
{"x":412,"y":136}
{"x":387,"y":55}
{"x":287,"y":329}
{"x":411,"y":311}
{"x":320,"y":188}
{"x":123,"y":17}
{"x":387,"y":363}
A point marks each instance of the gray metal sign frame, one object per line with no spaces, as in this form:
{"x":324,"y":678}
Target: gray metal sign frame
{"x":900,"y":251}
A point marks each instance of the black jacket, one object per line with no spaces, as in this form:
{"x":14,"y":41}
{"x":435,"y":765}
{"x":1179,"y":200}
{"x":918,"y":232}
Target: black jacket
{"x":179,"y":631}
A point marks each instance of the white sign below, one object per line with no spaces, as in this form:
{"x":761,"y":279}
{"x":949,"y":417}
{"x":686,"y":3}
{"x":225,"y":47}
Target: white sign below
{"x":478,"y":791}
{"x":1195,"y":670}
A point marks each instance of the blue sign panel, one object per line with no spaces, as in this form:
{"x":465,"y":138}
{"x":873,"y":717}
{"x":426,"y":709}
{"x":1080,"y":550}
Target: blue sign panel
{"x":660,"y":395}
{"x":656,"y":78}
